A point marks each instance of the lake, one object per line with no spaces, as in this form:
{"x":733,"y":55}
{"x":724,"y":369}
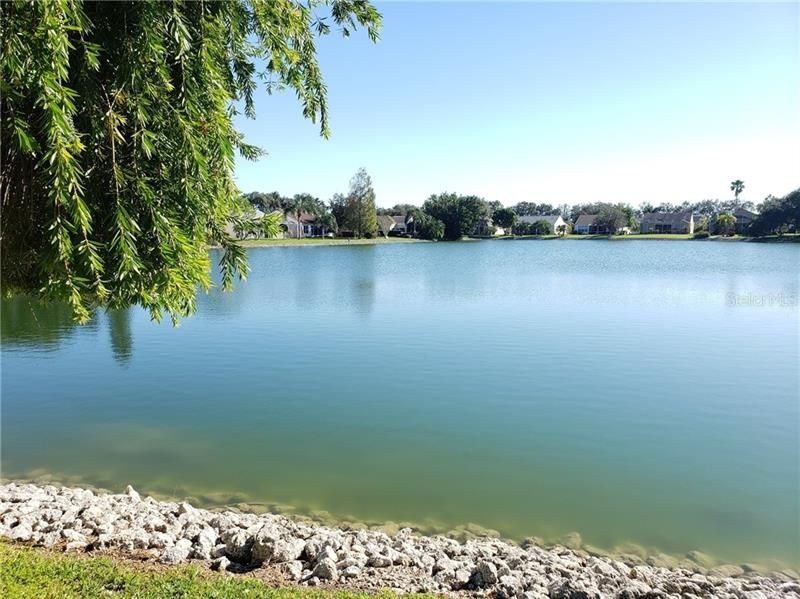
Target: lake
{"x":633,"y":391}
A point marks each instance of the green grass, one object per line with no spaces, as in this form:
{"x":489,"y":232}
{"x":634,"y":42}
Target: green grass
{"x":654,"y":236}
{"x":613,"y":237}
{"x":785,"y":238}
{"x":549,"y":236}
{"x":324,"y":241}
{"x":35,"y":573}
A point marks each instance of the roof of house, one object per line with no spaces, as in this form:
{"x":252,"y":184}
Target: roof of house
{"x":744,"y":212}
{"x":532,"y":218}
{"x":305,"y":218}
{"x":666,"y":218}
{"x":385,"y":222}
{"x":586,"y":219}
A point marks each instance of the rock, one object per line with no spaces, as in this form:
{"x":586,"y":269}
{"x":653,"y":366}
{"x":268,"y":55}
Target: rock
{"x":288,"y":550}
{"x":207,"y":537}
{"x":445,"y":564}
{"x":312,"y":548}
{"x":220,"y":564}
{"x":327,"y":552}
{"x":633,"y":590}
{"x":631,"y":549}
{"x":267,"y":549}
{"x":751,"y":567}
{"x":379,"y":561}
{"x":74,"y":546}
{"x":531,"y":542}
{"x":293,"y":569}
{"x":185,"y":508}
{"x":568,"y":589}
{"x":571,"y":540}
{"x":73,"y":536}
{"x":461,"y":578}
{"x":662,"y":560}
{"x":238,"y":545}
{"x":510,"y":584}
{"x":131,"y":492}
{"x":160,"y":540}
{"x":351,"y":572}
{"x":134,"y":538}
{"x":484,"y":575}
{"x":176,"y":554}
{"x":222,"y":522}
{"x":728,"y":571}
{"x":503,"y":570}
{"x":790,"y":587}
{"x":325,"y":570}
{"x":368,"y":560}
{"x":700,"y":558}
{"x":21,"y":532}
{"x":50,"y":539}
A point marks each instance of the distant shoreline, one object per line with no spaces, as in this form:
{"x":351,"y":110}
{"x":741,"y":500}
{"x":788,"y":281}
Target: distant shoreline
{"x":345,"y":241}
{"x":317,"y":241}
{"x":789,"y":238}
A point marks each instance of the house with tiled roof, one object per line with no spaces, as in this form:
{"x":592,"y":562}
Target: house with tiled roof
{"x":667,"y":222}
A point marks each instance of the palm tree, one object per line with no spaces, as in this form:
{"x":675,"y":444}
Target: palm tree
{"x":737,"y":187}
{"x":726,"y":221}
{"x":327,"y":221}
{"x":297,"y":205}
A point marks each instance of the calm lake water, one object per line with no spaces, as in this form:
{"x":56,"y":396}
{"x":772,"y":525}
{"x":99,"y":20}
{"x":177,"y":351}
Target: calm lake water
{"x":635,"y":391}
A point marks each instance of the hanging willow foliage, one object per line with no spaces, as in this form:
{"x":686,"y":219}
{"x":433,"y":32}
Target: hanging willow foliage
{"x":118,"y":143}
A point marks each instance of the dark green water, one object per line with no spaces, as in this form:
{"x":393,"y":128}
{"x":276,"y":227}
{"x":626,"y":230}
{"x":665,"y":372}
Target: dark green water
{"x":638,"y":391}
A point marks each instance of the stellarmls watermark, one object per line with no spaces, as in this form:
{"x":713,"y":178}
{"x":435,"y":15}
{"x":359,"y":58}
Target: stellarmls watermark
{"x":760,"y":300}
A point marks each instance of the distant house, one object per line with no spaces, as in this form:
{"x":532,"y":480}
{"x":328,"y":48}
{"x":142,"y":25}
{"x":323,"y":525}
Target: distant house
{"x":554,"y":220}
{"x":486,"y":228}
{"x":308,"y":226}
{"x":587,"y":225}
{"x":399,"y":226}
{"x":255,"y":215}
{"x":391,"y":224}
{"x":743,"y":219}
{"x":667,"y":222}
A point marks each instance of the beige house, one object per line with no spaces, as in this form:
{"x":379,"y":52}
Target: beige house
{"x":667,"y":222}
{"x":307,"y":226}
{"x":554,"y":220}
{"x":587,"y":224}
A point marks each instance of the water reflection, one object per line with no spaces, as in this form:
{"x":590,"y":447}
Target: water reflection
{"x":119,"y":329}
{"x":26,"y":322}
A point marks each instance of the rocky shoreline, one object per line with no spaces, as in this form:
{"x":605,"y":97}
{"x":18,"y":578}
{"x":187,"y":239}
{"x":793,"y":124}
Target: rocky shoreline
{"x":308,"y":554}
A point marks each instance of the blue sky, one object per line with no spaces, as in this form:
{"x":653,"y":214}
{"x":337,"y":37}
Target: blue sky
{"x":548,"y":103}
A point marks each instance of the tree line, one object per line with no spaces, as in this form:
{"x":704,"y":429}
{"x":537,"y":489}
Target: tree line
{"x":452,"y":216}
{"x":354,"y":213}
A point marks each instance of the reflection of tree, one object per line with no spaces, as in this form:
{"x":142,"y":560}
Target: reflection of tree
{"x":26,"y":321}
{"x":119,"y":327}
{"x":362,"y":279}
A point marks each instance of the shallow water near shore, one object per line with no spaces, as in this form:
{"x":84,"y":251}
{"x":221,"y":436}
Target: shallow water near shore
{"x":642,"y":392}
